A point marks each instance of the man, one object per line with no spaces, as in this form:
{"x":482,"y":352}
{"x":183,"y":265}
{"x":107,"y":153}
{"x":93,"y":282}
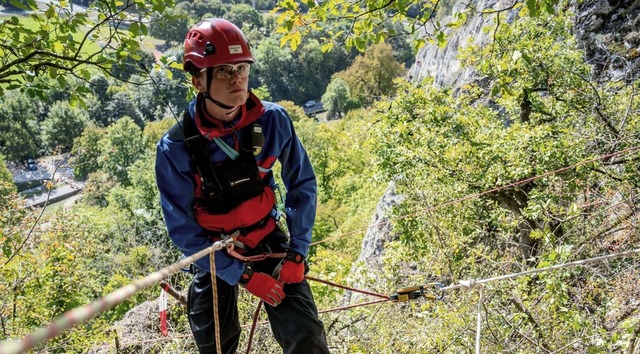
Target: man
{"x":214,"y":176}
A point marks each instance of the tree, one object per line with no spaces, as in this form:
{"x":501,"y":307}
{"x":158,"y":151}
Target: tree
{"x":371,"y":76}
{"x":296,"y":113}
{"x":121,"y":104}
{"x":7,"y":187}
{"x":86,"y":151}
{"x":122,"y":145}
{"x":60,"y":43}
{"x":340,"y":21}
{"x":62,"y":125}
{"x":19,"y":138}
{"x":175,"y":30}
{"x":270,"y":61}
{"x":336,"y":99}
{"x":201,"y":9}
{"x":244,"y":16}
{"x":129,"y":66}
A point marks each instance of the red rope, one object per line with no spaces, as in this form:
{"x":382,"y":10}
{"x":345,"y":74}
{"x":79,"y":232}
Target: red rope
{"x":354,"y":305}
{"x":348,"y":288}
{"x":476,"y":195}
{"x":253,"y":326}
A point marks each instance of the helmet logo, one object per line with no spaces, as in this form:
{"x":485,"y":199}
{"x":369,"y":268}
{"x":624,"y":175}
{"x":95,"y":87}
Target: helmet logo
{"x":209,"y":49}
{"x":235,"y":49}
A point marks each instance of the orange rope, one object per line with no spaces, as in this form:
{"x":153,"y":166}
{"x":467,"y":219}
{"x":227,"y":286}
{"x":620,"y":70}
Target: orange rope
{"x":214,"y":288}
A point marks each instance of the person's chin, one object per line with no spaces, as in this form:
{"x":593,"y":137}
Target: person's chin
{"x":238,"y":98}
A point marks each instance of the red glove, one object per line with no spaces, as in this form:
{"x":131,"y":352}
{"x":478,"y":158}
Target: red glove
{"x":263,"y":286}
{"x":291,"y":269}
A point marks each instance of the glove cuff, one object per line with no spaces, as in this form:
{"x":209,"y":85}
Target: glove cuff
{"x":294,"y":256}
{"x":246,"y":276}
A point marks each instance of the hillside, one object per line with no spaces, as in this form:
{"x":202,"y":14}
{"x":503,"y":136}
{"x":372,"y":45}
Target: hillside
{"x":509,"y":150}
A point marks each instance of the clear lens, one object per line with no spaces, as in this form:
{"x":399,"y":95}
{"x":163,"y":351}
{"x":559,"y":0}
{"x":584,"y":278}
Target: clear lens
{"x":226,"y":71}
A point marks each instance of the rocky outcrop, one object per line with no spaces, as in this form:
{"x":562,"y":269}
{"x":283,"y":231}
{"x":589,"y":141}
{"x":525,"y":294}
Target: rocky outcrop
{"x":608,"y":31}
{"x":442,"y":64}
{"x":367,"y":268}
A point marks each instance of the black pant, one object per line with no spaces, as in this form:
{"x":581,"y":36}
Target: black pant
{"x":294,"y":322}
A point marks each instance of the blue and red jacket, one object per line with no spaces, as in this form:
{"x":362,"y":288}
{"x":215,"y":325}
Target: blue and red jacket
{"x":189,"y":226}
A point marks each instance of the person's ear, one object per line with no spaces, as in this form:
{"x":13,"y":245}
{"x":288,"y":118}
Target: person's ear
{"x":198,"y":82}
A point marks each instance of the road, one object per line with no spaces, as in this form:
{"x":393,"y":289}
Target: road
{"x":50,"y":168}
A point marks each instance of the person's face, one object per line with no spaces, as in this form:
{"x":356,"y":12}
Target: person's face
{"x":229,"y":84}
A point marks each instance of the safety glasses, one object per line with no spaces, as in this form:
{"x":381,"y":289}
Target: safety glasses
{"x":227,"y":70}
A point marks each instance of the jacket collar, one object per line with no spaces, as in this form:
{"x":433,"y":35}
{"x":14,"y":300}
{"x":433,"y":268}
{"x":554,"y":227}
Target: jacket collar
{"x":211,"y":127}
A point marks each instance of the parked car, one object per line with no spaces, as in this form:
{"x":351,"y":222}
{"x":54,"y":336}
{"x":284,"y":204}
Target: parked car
{"x":309,"y":104}
{"x":31,"y":165}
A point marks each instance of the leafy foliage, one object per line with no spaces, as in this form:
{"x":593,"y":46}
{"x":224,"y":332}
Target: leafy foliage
{"x":357,"y":25}
{"x":534,"y":110}
{"x":62,"y":125}
{"x":370,"y":77}
{"x":18,"y":127}
{"x":57,"y":45}
{"x":7,"y":187}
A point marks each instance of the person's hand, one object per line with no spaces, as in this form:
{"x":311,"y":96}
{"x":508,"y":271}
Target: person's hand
{"x":291,"y":269}
{"x":263,"y":286}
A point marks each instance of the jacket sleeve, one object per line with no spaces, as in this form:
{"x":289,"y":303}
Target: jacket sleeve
{"x":300,"y":182}
{"x":176,"y":185}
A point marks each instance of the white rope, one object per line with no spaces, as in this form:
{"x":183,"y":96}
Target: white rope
{"x":479,"y":324}
{"x":472,"y":283}
{"x":84,"y":313}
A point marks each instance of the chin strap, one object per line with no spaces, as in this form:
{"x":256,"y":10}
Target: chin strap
{"x":208,"y":96}
{"x":218,"y":103}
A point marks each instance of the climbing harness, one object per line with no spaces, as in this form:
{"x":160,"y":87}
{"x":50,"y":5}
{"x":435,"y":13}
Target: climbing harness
{"x":224,"y":186}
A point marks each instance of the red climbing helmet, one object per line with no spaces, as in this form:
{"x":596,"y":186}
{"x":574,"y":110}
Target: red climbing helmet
{"x":215,"y":41}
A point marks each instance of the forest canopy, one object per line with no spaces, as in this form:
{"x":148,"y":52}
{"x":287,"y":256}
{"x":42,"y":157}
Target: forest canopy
{"x":531,"y":164}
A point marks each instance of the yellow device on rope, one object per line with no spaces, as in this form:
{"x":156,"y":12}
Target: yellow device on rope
{"x":414,"y":292}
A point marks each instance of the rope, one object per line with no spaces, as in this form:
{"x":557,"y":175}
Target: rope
{"x":479,"y":322}
{"x":334,"y":309}
{"x":470,"y":284}
{"x":476,"y":195}
{"x":253,"y":327}
{"x":82,"y":314}
{"x":478,"y":284}
{"x":348,"y":288}
{"x":214,"y":287}
{"x":354,"y":305}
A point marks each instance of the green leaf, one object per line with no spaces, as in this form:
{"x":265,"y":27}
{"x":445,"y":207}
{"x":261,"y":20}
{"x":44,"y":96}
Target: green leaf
{"x":58,"y":47}
{"x":51,"y":12}
{"x":19,"y":5}
{"x":532,"y":6}
{"x":442,"y":39}
{"x":134,"y":29}
{"x":495,"y":90}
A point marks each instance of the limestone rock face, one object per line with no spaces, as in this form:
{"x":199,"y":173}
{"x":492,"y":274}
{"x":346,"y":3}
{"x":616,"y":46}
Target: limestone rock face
{"x":441,"y":63}
{"x":609,"y":34}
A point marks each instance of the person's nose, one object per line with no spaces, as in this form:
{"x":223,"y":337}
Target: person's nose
{"x":235,"y":76}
